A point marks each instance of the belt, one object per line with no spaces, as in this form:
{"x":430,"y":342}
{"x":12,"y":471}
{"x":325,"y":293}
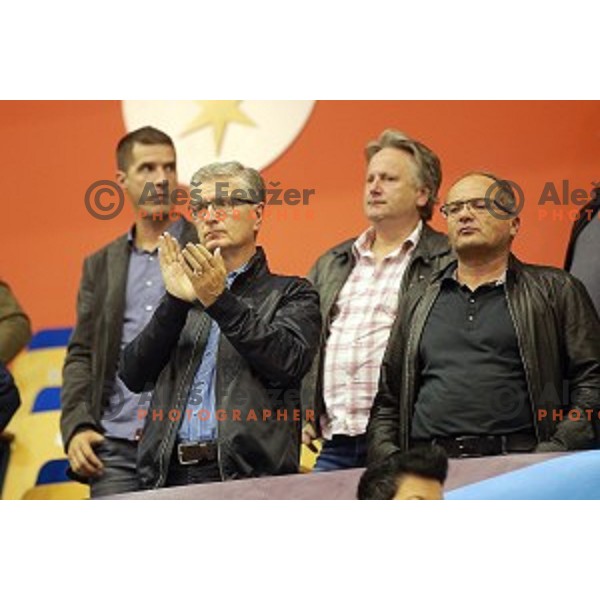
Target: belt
{"x":471,"y":446}
{"x":195,"y":452}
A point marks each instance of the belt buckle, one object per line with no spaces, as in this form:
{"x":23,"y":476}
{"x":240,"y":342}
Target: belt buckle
{"x":463,"y":451}
{"x":461,"y":448}
{"x":183,"y":462}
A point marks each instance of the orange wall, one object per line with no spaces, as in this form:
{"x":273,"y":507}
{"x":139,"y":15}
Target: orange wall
{"x":51,"y":152}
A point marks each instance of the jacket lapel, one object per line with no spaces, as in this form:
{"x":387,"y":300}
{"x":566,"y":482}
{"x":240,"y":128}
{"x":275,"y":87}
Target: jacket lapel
{"x":117,"y":268}
{"x":189,"y":234}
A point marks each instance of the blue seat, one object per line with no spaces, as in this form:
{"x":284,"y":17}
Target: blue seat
{"x":54,"y":471}
{"x":47,"y":399}
{"x":50,"y":338}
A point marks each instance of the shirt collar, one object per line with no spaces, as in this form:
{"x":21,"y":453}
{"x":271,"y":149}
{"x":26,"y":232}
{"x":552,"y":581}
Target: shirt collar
{"x":362,"y":246}
{"x":175,"y":229}
{"x":231,"y":277}
{"x":450,"y":274}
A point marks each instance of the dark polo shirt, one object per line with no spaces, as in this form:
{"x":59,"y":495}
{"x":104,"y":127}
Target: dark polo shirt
{"x":472,"y":380}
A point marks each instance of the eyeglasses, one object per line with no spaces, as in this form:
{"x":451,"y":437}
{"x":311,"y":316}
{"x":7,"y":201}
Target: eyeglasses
{"x":223,"y":204}
{"x":478,"y":205}
{"x":452,"y":209}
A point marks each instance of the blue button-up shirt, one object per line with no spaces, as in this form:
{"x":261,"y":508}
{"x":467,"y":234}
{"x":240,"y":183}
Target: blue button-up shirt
{"x":144,"y":291}
{"x":199,"y":422}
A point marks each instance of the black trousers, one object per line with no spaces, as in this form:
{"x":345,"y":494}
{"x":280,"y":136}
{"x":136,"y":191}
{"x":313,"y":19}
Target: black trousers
{"x":120,"y":468}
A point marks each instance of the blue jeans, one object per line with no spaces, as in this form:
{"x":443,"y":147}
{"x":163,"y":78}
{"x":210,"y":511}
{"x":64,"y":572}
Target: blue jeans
{"x":342,"y":452}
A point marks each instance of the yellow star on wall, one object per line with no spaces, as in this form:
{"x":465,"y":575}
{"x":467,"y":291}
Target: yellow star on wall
{"x":218,"y":114}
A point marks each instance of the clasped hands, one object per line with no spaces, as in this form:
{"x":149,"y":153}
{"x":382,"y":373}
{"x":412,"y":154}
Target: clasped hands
{"x":192,"y":273}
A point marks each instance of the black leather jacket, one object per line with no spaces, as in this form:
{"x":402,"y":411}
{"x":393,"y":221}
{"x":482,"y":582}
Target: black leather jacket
{"x":269,"y":333}
{"x":558,"y":333}
{"x":586,"y":214}
{"x":329,"y":275}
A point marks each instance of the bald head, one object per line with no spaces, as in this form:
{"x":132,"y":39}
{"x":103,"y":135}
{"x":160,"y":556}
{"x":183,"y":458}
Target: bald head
{"x":474,"y":224}
{"x":497,"y":190}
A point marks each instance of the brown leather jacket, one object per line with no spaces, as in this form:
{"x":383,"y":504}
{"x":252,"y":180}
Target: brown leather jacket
{"x":558,"y":333}
{"x":94,"y":348}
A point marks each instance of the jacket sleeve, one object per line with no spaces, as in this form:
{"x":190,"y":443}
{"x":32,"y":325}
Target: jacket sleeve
{"x":581,"y":327}
{"x":280,"y":349}
{"x":383,"y":430}
{"x":314,"y":274}
{"x":9,"y":397}
{"x":309,"y":382}
{"x":15,"y":329}
{"x":76,"y":391}
{"x":146,"y":356}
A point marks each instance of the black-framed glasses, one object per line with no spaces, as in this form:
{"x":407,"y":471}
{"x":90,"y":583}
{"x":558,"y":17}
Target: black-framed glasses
{"x":219,"y":204}
{"x":452,"y":209}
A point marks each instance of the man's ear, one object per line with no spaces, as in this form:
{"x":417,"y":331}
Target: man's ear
{"x":515,"y":225}
{"x":120,"y":178}
{"x":259,"y":210}
{"x":423,"y":197}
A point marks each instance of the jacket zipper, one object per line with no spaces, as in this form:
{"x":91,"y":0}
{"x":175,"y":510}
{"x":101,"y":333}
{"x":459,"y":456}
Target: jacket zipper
{"x":412,"y":357}
{"x":240,"y":294}
{"x":162,"y":475}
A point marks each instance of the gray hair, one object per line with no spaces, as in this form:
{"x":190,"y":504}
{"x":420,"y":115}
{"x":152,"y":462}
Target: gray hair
{"x":427,"y":163}
{"x":229,"y":170}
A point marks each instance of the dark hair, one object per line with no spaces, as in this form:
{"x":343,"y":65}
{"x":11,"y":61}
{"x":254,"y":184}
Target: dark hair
{"x":381,"y":480}
{"x":144,"y":135}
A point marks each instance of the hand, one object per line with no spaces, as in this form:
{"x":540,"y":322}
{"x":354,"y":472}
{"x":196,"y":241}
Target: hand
{"x":205,"y":271}
{"x":171,"y":268}
{"x":82,"y":458}
{"x":309,"y":435}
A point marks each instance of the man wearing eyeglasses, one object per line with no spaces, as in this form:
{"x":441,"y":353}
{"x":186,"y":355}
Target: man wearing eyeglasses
{"x":360,"y":282}
{"x":497,"y":356}
{"x":227,"y":347}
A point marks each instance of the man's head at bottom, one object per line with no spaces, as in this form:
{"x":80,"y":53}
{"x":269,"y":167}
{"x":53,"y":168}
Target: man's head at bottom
{"x":418,"y":474}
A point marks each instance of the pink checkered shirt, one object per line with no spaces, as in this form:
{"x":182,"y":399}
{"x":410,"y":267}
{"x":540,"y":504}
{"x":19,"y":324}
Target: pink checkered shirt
{"x":366,"y":308}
